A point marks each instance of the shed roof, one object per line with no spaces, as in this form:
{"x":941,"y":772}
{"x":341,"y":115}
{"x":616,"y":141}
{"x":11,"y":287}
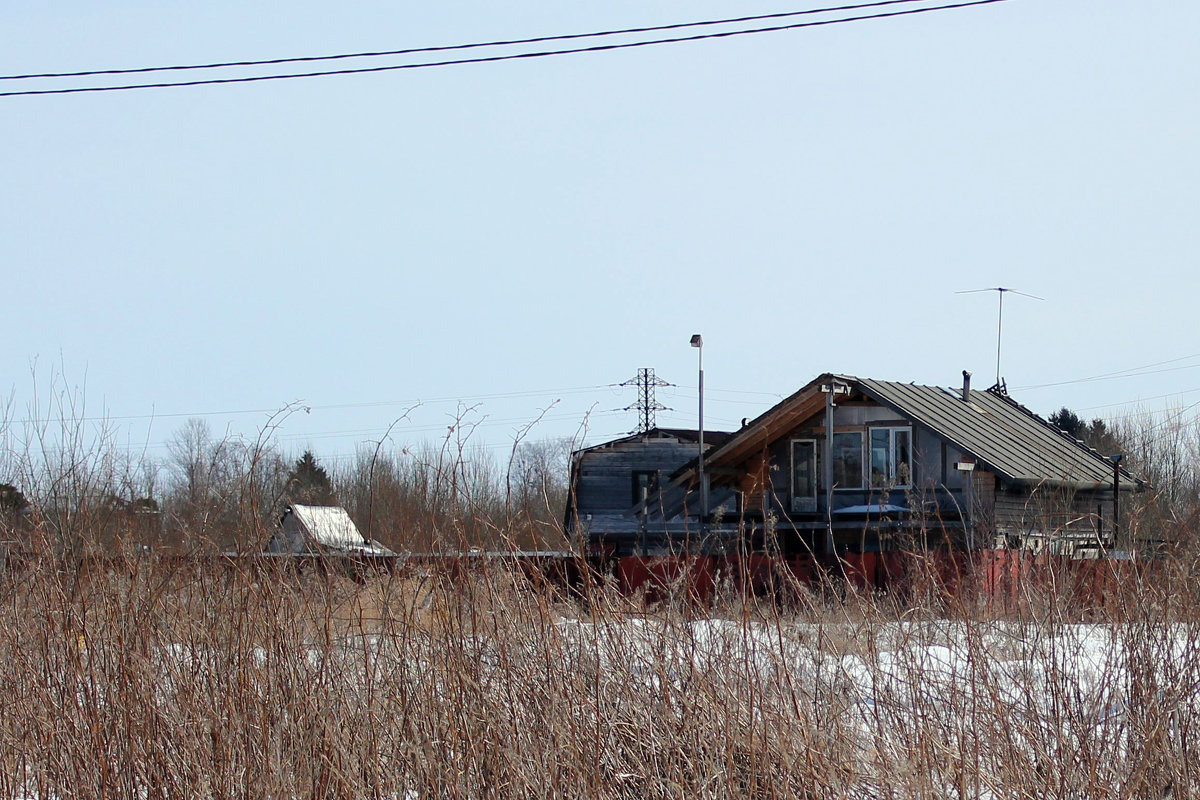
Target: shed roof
{"x":711,"y":438}
{"x":331,"y":527}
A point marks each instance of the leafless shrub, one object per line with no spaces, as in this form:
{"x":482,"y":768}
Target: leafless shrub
{"x":454,"y":495}
{"x":211,"y":676}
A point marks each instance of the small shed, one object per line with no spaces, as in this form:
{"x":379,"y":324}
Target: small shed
{"x":321,"y":530}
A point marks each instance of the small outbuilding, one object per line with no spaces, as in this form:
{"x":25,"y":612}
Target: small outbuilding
{"x":321,"y":530}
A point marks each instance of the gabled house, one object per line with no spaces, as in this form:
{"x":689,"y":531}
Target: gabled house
{"x":850,"y":464}
{"x":321,"y":530}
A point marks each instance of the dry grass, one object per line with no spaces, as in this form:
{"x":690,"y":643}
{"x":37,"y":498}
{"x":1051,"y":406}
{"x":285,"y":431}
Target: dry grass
{"x":169,"y":679}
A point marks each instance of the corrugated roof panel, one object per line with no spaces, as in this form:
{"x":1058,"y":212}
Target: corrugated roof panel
{"x":1010,"y":439}
{"x":1002,"y":434}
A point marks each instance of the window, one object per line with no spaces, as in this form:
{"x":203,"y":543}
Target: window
{"x":847,"y":460}
{"x":804,"y":475}
{"x":891,"y":457}
{"x":645,"y":483}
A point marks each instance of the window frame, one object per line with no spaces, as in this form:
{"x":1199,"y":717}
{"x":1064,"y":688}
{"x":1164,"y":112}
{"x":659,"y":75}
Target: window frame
{"x":892,"y":467}
{"x":653,"y":481}
{"x":797,"y":501}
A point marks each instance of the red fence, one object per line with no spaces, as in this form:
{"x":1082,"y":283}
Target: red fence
{"x":1002,"y":580}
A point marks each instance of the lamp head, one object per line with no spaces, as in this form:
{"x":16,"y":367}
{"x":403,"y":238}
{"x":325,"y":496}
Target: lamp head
{"x":697,"y":340}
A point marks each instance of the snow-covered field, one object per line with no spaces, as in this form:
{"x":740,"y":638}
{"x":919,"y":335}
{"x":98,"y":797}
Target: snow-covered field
{"x":953,"y":708}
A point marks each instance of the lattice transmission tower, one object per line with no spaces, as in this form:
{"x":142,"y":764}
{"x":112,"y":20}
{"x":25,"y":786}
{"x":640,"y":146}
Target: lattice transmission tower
{"x":646,"y":382}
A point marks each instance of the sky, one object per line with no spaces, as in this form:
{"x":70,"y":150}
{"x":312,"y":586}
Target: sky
{"x":505,"y":243}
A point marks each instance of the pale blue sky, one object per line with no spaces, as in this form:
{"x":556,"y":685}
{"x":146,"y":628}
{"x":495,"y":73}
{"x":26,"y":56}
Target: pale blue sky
{"x":808,"y":200}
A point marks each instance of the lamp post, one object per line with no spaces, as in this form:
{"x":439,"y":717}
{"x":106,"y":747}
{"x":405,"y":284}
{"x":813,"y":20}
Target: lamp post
{"x":1116,"y":462}
{"x":698,"y":343}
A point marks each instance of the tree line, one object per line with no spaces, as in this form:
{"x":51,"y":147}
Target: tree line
{"x":74,"y":487}
{"x":1162,"y":452}
{"x":70,"y":483}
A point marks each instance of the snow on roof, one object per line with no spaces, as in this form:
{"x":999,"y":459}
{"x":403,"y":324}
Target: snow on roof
{"x":329,"y":526}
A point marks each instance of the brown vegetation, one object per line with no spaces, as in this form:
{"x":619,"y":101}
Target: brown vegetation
{"x":213,"y":677}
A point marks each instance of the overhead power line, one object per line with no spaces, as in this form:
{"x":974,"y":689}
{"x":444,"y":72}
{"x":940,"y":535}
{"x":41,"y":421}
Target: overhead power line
{"x":482,"y":59}
{"x":453,"y":47}
{"x":1132,"y":372}
{"x":338,"y":406}
{"x":1128,"y":403}
{"x":309,"y":407}
{"x":1171,"y":418}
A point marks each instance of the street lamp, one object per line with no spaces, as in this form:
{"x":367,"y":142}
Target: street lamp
{"x":698,"y":343}
{"x":1116,"y":523}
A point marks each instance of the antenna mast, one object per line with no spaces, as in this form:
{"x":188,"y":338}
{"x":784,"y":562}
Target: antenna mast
{"x":1000,"y":290}
{"x":646,"y":404}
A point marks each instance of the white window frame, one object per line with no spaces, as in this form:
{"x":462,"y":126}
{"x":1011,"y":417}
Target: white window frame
{"x":891,"y":477}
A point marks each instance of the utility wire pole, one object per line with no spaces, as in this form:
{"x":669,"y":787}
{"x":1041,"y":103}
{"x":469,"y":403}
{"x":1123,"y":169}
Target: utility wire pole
{"x":646,"y":405}
{"x":832,"y":391}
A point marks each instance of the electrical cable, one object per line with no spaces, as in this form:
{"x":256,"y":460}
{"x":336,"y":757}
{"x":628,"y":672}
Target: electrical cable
{"x":338,"y":406}
{"x":380,"y":403}
{"x":679,"y":395}
{"x":1179,"y":393}
{"x":497,"y":58}
{"x":482,"y":422}
{"x":424,"y":428}
{"x":453,"y":47}
{"x":1132,"y":372}
{"x":775,"y":395}
{"x":1171,"y":418}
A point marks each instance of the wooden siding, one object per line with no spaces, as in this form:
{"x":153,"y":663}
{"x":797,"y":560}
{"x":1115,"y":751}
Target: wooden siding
{"x":603,"y":477}
{"x":755,"y":485}
{"x":1027,"y":517}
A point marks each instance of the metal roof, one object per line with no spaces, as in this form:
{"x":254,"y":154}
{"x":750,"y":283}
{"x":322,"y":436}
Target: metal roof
{"x":331,"y":527}
{"x":711,"y":438}
{"x":1006,"y":437}
{"x":1001,"y":434}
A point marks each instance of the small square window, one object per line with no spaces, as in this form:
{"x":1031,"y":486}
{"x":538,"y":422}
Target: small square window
{"x":645,"y":483}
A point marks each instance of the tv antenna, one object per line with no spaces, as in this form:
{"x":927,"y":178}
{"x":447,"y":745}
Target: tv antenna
{"x":1000,"y":290}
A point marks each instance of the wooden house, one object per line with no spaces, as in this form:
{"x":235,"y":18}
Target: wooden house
{"x":618,"y":487}
{"x":850,"y":464}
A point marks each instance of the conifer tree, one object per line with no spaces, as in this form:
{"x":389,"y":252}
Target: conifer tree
{"x":309,"y":483}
